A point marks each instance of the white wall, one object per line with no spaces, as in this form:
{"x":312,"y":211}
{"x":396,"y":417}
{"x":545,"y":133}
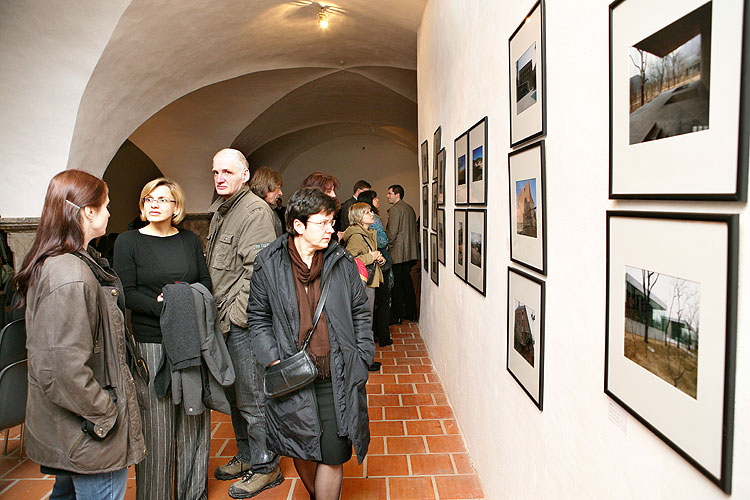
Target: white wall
{"x":572,"y":449}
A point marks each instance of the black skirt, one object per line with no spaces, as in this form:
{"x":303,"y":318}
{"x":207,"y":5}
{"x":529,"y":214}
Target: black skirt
{"x":335,"y":450}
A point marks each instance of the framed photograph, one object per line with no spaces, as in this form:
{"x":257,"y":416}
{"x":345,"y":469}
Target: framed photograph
{"x":441,"y":177}
{"x":528,"y":107}
{"x":671,"y":324}
{"x":460,"y":155}
{"x":528,"y":235}
{"x":426,"y":206}
{"x":435,"y":149}
{"x":476,"y":262}
{"x":433,"y":258}
{"x":441,"y":235}
{"x":434,"y":205}
{"x":425,"y":250}
{"x":478,"y":163}
{"x":678,"y":100}
{"x":525,"y":343}
{"x":425,"y":162}
{"x":459,"y":243}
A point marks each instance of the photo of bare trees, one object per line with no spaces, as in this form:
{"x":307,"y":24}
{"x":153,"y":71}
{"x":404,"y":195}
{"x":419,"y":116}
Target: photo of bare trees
{"x":662,"y":317}
{"x":669,"y":75}
{"x":524,"y":326}
{"x":526,"y":80}
{"x":526,"y":207}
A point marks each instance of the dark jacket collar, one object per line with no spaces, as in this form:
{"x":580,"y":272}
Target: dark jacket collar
{"x":223,"y":206}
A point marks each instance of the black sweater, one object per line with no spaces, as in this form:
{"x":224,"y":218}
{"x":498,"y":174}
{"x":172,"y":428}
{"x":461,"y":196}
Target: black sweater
{"x":146,"y":263}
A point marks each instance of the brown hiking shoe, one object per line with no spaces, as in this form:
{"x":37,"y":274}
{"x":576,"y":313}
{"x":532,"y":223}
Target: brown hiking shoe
{"x":253,"y":483}
{"x":232,"y":470}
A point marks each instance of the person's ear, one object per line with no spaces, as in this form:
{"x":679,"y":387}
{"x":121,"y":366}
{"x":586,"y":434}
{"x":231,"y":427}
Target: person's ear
{"x":298,"y":226}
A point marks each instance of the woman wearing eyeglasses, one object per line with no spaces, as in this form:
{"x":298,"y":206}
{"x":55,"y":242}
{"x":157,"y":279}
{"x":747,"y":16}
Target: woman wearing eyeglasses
{"x":146,"y":259}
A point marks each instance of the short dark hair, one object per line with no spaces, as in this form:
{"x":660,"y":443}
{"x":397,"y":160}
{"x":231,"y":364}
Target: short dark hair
{"x":307,"y":202}
{"x":361,"y":184}
{"x":397,"y":189}
{"x":367,"y":197}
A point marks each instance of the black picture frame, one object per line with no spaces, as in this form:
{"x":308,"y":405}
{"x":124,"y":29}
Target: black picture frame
{"x":441,"y":178}
{"x":426,"y":206}
{"x":459,"y":243}
{"x":426,"y":250}
{"x":461,"y":169}
{"x":528,"y":228}
{"x":434,"y":271}
{"x":424,"y":153}
{"x":524,"y":358}
{"x":436,"y":138}
{"x":478,"y":163}
{"x":697,"y":326}
{"x":441,"y":235}
{"x":434,"y":206}
{"x":526,"y":46}
{"x":653,"y":155}
{"x":476,"y":249}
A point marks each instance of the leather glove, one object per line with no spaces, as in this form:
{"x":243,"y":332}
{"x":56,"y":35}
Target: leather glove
{"x":94,"y":431}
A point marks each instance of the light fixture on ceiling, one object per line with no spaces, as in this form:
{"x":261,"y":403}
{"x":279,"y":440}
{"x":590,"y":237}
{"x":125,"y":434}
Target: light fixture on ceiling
{"x":323,"y":16}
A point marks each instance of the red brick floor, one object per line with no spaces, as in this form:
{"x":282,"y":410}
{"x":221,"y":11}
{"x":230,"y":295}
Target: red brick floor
{"x":416,"y":451}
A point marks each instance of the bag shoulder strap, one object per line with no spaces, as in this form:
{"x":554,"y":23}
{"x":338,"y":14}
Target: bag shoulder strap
{"x":366,"y":243}
{"x":318,"y":312}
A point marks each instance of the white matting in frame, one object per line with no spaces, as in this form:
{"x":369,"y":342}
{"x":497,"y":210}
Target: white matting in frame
{"x":680,"y":384}
{"x":459,"y":243}
{"x":476,"y":251}
{"x":461,"y":168}
{"x":678,"y":137}
{"x":528,"y":238}
{"x":477,"y":162}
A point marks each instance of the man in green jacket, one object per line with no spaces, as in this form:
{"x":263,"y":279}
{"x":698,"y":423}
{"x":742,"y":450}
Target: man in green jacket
{"x":242,"y":224}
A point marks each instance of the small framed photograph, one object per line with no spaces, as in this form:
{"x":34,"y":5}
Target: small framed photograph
{"x":425,"y":250}
{"x":425,"y":162}
{"x":476,"y":262}
{"x":426,"y":206}
{"x":671,"y":324}
{"x":436,"y":138}
{"x":525,"y":342}
{"x":441,"y":235}
{"x":678,"y":100}
{"x":433,"y":258}
{"x":459,"y":243}
{"x":528,"y":221}
{"x":478,"y":163}
{"x":460,"y":156}
{"x":434,"y":205}
{"x":528,"y":107}
{"x":441,"y":177}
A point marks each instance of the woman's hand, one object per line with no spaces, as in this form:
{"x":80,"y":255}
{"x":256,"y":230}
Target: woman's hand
{"x":376,"y":255}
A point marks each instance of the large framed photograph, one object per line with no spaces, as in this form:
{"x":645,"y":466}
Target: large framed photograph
{"x":433,"y":258}
{"x":525,"y":342}
{"x":436,"y":138}
{"x":671,"y":330}
{"x":434,"y":205}
{"x":425,"y":162}
{"x":459,"y":243}
{"x":426,"y":206}
{"x":441,"y":235}
{"x":528,"y":107}
{"x":528,"y":221}
{"x":460,"y":162}
{"x":476,"y":262}
{"x":478,"y":163}
{"x":441,"y":178}
{"x":425,"y":250}
{"x":678,"y":100}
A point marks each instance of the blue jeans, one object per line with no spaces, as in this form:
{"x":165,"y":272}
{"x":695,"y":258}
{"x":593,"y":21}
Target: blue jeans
{"x":248,"y":403}
{"x":103,"y":486}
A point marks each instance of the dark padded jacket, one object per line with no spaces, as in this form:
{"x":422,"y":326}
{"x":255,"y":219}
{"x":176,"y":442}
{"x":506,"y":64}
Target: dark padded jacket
{"x":273,"y":320}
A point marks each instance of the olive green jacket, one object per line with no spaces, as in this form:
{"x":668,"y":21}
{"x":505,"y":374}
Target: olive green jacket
{"x":356,"y":239}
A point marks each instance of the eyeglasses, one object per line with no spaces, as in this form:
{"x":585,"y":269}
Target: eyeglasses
{"x":323,"y":223}
{"x":160,"y":201}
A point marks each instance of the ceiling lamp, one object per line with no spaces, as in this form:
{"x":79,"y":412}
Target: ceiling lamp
{"x":323,"y":17}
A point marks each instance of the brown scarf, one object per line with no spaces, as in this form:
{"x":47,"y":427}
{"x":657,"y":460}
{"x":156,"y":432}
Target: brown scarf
{"x":307,"y":285}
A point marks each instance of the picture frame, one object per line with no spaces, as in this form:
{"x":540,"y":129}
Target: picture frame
{"x":671,"y":327}
{"x":426,"y":250}
{"x":441,"y":235}
{"x":441,"y":178}
{"x":459,"y":243}
{"x":525,"y":333}
{"x":434,"y":274}
{"x":478,"y":163}
{"x":527,"y":198}
{"x":460,"y":166}
{"x":528,"y":77}
{"x":436,"y":138}
{"x":476,"y":248}
{"x":671,"y":135}
{"x":425,"y":162}
{"x":433,"y":222}
{"x":426,"y":206}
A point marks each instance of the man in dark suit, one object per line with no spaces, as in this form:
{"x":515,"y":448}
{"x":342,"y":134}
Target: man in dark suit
{"x":342,"y":220}
{"x":403,"y":239}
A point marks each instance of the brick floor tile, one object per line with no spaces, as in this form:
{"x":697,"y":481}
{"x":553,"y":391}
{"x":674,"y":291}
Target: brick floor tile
{"x":375,"y":412}
{"x":417,"y":399}
{"x":436,"y":411}
{"x":441,"y":399}
{"x":390,"y":354}
{"x":395,"y":369}
{"x":423,"y":427}
{"x":429,"y":388}
{"x":463,"y":463}
{"x":398,"y":389}
{"x":458,"y":487}
{"x":445,"y":444}
{"x":287,"y":468}
{"x":26,"y":470}
{"x":377,"y":446}
{"x":387,"y":362}
{"x":363,"y":489}
{"x":220,"y":417}
{"x":387,"y":465}
{"x":406,"y":445}
{"x":416,"y":353}
{"x":28,"y":490}
{"x":374,"y":389}
{"x":420,"y":369}
{"x":432,"y":377}
{"x":353,"y":468}
{"x":431,"y":464}
{"x":451,"y":427}
{"x":223,"y":430}
{"x":412,"y":378}
{"x":382,"y":400}
{"x":408,"y":361}
{"x":401,"y":413}
{"x":387,"y":428}
{"x":411,"y":488}
{"x":376,"y":378}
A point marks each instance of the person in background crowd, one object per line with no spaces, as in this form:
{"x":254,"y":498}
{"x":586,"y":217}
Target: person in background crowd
{"x":324,"y":182}
{"x":403,"y":241}
{"x":317,"y":424}
{"x":342,"y":219}
{"x":241,"y":225}
{"x":266,"y":184}
{"x":146,"y":259}
{"x":82,"y":418}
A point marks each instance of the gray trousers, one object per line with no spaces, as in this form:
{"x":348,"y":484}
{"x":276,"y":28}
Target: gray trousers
{"x":177,"y":445}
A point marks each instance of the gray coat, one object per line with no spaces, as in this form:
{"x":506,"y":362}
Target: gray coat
{"x":403,"y":234}
{"x":273,"y":319}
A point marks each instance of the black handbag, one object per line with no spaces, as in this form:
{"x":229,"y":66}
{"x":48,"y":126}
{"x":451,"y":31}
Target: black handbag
{"x":297,"y":371}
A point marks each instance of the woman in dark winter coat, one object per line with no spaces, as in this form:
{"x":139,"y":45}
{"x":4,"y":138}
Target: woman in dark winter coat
{"x":318,"y":424}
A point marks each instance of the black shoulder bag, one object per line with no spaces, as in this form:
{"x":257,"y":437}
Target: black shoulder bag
{"x":297,"y":371}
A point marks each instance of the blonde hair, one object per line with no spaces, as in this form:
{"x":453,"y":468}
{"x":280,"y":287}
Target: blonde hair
{"x":177,"y":194}
{"x":357,"y":212}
